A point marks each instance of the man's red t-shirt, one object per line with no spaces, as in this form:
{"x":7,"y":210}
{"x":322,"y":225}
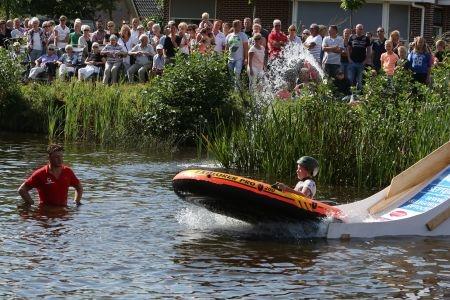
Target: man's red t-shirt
{"x":275,"y":37}
{"x":52,"y":191}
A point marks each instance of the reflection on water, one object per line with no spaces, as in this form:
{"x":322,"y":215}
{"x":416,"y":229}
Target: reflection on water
{"x":133,"y":238}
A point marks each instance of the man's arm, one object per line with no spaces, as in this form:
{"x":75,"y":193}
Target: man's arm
{"x":24,"y":193}
{"x":78,"y":193}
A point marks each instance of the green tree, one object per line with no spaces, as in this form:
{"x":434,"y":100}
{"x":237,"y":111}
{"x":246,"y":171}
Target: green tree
{"x":351,"y":5}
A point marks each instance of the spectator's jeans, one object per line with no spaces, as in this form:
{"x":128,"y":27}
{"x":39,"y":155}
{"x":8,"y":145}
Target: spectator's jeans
{"x":344,"y":68}
{"x":235,"y":68}
{"x":111,"y":71}
{"x":355,"y":73}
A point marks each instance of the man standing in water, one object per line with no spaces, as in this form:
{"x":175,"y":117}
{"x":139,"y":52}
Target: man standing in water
{"x":52,"y":181}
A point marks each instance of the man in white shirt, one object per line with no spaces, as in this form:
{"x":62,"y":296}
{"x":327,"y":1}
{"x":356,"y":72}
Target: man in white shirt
{"x":61,"y":33}
{"x":219,"y":38}
{"x":332,"y":46}
{"x":314,"y":42}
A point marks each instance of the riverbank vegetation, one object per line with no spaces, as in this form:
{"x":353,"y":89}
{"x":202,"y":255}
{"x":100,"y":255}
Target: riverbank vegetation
{"x":395,"y":124}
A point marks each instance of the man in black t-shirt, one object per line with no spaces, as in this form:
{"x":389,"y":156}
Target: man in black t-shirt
{"x":357,"y":55}
{"x":378,"y":49}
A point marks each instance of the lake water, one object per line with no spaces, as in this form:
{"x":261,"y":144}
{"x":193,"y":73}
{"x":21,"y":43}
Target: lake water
{"x":134,"y":239}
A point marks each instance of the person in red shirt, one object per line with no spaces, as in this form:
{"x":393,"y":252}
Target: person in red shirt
{"x":52,"y":181}
{"x":276,"y":40}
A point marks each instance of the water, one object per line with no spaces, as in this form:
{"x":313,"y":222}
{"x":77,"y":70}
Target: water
{"x":134,"y":239}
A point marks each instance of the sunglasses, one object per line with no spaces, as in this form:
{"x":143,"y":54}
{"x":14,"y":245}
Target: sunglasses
{"x":51,"y":49}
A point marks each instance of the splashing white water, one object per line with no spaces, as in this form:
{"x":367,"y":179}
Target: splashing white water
{"x":200,"y":219}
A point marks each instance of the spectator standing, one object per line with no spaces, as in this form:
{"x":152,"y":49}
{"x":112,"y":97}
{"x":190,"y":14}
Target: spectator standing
{"x":144,"y":53}
{"x":257,"y":29}
{"x":276,"y":41}
{"x":293,"y":38}
{"x":314,"y":42}
{"x":17,"y":31}
{"x":114,"y":56}
{"x":395,"y":38}
{"x":61,"y":33}
{"x":110,"y":30}
{"x":134,"y":29}
{"x":389,"y":59}
{"x":440,"y":53}
{"x":48,"y":33}
{"x":184,"y":44}
{"x":248,"y":29}
{"x":149,"y":29}
{"x":332,"y":46}
{"x":76,"y":34}
{"x":403,"y":61}
{"x":219,"y":38}
{"x":305,"y":34}
{"x":100,"y":33}
{"x":344,"y":55}
{"x":256,"y":55}
{"x":85,"y":41}
{"x":171,"y":42}
{"x":93,"y":63}
{"x":156,"y":30}
{"x":127,"y":42}
{"x":358,"y":46}
{"x":3,"y":33}
{"x":36,"y":40}
{"x":225,"y":28}
{"x":420,"y":60}
{"x":237,"y":45}
{"x":378,"y":49}
{"x":264,"y":32}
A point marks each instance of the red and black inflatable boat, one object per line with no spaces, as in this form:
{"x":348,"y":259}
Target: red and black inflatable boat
{"x":247,"y":199}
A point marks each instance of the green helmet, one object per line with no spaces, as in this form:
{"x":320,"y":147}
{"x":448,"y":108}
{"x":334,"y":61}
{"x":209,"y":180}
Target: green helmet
{"x":310,"y":164}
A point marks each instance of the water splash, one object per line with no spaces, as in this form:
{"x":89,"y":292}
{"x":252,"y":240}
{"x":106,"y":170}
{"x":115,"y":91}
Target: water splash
{"x":200,"y":219}
{"x":283,"y":72}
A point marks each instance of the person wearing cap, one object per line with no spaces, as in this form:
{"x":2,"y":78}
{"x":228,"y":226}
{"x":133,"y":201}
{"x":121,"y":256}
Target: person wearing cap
{"x":36,"y":40}
{"x":144,"y":53}
{"x":52,"y":181}
{"x":61,"y":33}
{"x":46,"y":62}
{"x":307,"y":168}
{"x":158,"y":61}
{"x":277,"y":40}
{"x":93,"y":63}
{"x":67,"y":63}
{"x":114,"y":57}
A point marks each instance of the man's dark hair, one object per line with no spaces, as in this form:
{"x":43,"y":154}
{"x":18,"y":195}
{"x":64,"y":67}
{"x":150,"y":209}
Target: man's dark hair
{"x":54,"y":148}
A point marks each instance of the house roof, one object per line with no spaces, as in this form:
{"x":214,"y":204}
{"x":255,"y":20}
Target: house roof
{"x":147,"y":8}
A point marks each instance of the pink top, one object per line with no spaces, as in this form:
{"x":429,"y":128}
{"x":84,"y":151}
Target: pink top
{"x":388,"y":62}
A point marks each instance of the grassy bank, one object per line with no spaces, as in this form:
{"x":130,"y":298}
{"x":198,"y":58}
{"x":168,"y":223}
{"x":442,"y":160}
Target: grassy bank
{"x":365,"y":145}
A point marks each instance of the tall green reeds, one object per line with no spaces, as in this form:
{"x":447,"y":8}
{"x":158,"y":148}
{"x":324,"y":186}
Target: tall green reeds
{"x":396,"y":124}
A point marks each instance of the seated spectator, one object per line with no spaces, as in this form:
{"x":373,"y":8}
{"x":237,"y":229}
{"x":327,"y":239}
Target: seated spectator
{"x":18,"y":31}
{"x":440,"y":53}
{"x":293,"y":38}
{"x":93,"y":63}
{"x":3,"y":33}
{"x":205,"y":21}
{"x":256,"y":61}
{"x":144,"y":53}
{"x":420,"y":60}
{"x":303,"y":80}
{"x":85,"y":41}
{"x":36,"y":40}
{"x":67,"y":63}
{"x":158,"y":61}
{"x":343,"y":86}
{"x":76,"y":34}
{"x":45,"y":63}
{"x":403,"y":61}
{"x":100,"y":33}
{"x":127,"y":41}
{"x":389,"y":59}
{"x":114,"y":56}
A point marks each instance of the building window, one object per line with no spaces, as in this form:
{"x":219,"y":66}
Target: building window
{"x":192,"y":9}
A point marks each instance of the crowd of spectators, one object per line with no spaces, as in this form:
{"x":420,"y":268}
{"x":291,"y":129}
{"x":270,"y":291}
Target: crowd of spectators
{"x":140,"y":51}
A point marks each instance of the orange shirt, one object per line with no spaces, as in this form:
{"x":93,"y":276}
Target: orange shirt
{"x":388,"y":62}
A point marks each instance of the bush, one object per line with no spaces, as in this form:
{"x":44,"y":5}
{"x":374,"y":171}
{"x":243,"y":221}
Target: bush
{"x":191,"y":95}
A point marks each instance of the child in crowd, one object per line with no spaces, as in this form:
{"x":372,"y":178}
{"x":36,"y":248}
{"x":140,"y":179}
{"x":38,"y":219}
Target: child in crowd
{"x":389,"y":59}
{"x":440,"y":53}
{"x":205,"y":21}
{"x":307,"y":168}
{"x":420,"y":60}
{"x":402,"y":61}
{"x":158,"y":61}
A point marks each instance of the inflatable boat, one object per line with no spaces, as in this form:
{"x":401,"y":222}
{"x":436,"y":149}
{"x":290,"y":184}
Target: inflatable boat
{"x":247,"y":199}
{"x":416,"y":203}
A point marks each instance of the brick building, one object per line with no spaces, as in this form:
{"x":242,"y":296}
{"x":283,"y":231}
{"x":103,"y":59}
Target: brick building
{"x":426,"y":17}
